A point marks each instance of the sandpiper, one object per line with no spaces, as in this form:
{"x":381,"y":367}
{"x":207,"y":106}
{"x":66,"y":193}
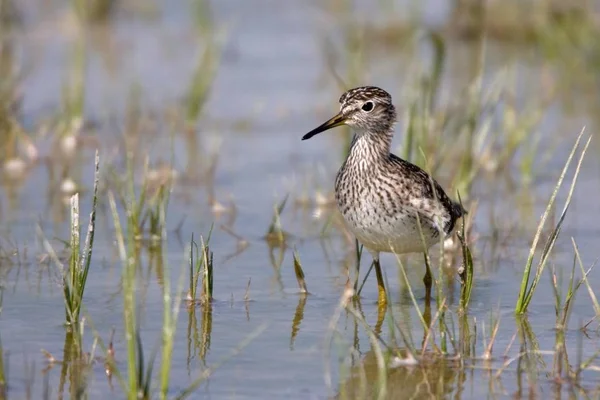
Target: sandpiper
{"x":386,"y":201}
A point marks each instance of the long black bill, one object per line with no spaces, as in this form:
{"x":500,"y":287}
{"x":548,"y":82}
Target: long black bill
{"x":332,"y":123}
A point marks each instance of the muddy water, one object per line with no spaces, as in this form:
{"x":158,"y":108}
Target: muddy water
{"x":271,"y":87}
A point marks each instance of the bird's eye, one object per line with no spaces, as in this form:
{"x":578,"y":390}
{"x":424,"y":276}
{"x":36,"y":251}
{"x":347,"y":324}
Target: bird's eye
{"x":368,"y":106}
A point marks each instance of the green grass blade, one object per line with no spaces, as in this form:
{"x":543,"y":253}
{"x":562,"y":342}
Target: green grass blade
{"x":299,"y":273}
{"x":140,"y":364}
{"x":86,"y":255}
{"x":128,"y":299}
{"x":192,"y":290}
{"x":585,"y":280}
{"x":552,"y":240}
{"x":467,"y":274}
{"x":526,"y":290}
{"x":72,"y":283}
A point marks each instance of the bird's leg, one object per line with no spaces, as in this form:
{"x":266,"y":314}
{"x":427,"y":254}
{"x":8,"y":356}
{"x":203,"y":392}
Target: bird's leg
{"x":427,"y":279}
{"x":427,"y":319}
{"x":382,"y":298}
{"x":381,"y":310}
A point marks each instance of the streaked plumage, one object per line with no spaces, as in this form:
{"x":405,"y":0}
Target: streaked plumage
{"x":382,"y":197}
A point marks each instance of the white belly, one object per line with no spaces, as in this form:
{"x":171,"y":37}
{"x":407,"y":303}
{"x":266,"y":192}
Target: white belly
{"x":397,"y":233}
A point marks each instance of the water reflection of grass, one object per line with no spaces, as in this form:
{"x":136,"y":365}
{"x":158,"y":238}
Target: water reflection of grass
{"x":3,"y":373}
{"x":397,"y":364}
{"x":474,"y":138}
{"x":489,"y":130}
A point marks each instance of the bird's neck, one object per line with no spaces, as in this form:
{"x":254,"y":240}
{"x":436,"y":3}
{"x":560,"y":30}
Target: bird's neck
{"x":370,"y":147}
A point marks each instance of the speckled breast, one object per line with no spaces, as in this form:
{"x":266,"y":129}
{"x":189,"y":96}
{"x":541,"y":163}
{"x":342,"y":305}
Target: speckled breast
{"x":380,"y":224}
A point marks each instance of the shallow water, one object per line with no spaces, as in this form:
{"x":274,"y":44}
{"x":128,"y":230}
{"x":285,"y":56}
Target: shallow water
{"x":271,"y":88}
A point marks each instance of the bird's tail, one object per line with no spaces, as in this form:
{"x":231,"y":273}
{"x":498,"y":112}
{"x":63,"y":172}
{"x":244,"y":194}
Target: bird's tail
{"x":458,"y":210}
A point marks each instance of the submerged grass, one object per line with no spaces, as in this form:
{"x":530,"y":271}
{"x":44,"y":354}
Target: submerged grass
{"x":468,"y":351}
{"x":528,"y":287}
{"x":207,"y":66}
{"x":484,"y":132}
{"x":74,"y":277}
{"x":299,"y":273}
{"x":79,"y":264}
{"x":139,"y":384}
{"x":202,"y":267}
{"x":140,"y":380}
{"x":275,"y":235}
{"x":465,"y":344}
{"x":171,"y":309}
{"x":466,"y":270}
{"x":76,"y":364}
{"x":140,"y":370}
{"x":131,"y":388}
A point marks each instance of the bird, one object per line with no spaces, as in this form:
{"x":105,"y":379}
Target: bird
{"x":389,"y":204}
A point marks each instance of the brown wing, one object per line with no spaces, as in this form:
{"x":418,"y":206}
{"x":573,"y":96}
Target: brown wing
{"x":424,"y":186}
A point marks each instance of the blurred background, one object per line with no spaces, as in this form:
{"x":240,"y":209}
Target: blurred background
{"x":207,"y":101}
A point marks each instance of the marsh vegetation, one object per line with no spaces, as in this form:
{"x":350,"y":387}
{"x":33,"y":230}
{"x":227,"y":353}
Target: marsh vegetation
{"x":164,"y":234}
